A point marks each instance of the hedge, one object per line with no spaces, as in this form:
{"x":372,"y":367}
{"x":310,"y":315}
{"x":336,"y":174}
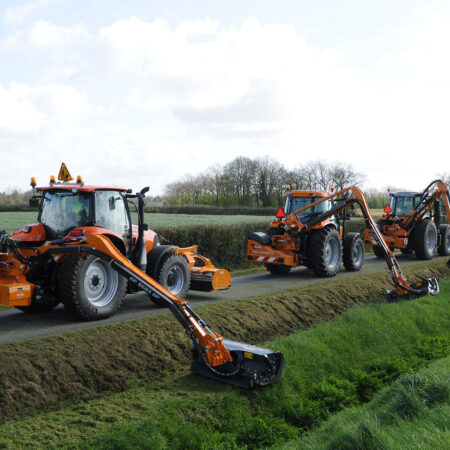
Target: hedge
{"x":212,"y":210}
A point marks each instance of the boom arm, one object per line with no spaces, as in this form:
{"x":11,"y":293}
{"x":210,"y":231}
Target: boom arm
{"x":436,"y":190}
{"x":234,"y":362}
{"x":350,"y":196}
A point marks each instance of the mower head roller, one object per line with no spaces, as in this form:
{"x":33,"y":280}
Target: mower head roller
{"x":251,"y":366}
{"x":415,"y":290}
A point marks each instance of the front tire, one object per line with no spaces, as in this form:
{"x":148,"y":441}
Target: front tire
{"x":426,"y":239}
{"x":444,"y":244}
{"x":326,"y":252}
{"x":174,"y":275}
{"x":90,"y":288}
{"x":353,"y":252}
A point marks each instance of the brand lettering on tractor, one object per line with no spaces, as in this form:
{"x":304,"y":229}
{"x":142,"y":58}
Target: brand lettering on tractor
{"x":145,"y":288}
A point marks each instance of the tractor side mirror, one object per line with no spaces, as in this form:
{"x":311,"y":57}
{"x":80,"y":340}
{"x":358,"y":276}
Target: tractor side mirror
{"x":33,"y":202}
{"x":144,"y":191}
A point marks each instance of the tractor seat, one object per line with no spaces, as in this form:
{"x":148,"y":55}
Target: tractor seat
{"x":260,"y":237}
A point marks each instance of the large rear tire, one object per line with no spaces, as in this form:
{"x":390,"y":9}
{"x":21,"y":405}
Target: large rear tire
{"x":426,"y":239}
{"x":174,"y":274}
{"x":326,"y":252}
{"x":378,"y":251}
{"x":444,"y":244}
{"x":90,"y":288}
{"x":353,"y":252}
{"x":278,"y":269}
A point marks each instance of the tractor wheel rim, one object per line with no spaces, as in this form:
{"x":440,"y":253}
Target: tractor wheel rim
{"x":175,"y":280}
{"x":431,"y":240}
{"x":358,"y":252}
{"x":100,"y":283}
{"x":332,"y":253}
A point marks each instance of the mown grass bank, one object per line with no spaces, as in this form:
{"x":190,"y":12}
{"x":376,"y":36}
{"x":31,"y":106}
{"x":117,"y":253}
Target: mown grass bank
{"x":331,"y":367}
{"x":412,"y":413}
{"x":80,"y":365}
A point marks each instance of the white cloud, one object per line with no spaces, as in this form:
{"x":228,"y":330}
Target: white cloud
{"x":27,"y":111}
{"x":168,"y":98}
{"x":18,"y":14}
{"x":229,"y":80}
{"x":43,"y":34}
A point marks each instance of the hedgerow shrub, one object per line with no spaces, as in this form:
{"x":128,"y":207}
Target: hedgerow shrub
{"x":225,"y":245}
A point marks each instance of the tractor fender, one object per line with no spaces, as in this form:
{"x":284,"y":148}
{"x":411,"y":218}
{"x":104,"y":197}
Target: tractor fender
{"x":154,"y":257}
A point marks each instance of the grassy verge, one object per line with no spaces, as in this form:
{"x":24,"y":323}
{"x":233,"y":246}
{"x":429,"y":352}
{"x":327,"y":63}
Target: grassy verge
{"x":81,"y":365}
{"x":412,"y":413}
{"x":336,"y":365}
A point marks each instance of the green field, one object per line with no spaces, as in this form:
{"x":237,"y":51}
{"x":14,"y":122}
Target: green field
{"x":11,"y":221}
{"x":330,"y":368}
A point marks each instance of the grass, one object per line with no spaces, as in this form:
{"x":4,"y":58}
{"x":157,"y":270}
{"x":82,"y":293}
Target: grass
{"x":414,"y":413}
{"x":11,"y":221}
{"x":331,"y":367}
{"x":103,"y":359}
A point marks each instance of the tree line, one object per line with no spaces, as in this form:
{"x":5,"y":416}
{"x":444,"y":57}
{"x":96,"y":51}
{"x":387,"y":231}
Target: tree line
{"x":257,"y":182}
{"x":245,"y":182}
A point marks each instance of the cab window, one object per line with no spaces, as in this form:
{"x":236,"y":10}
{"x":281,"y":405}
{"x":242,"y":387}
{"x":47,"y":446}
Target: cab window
{"x":62,"y":211}
{"x":404,"y":205}
{"x":111,"y":213}
{"x":296,"y":203}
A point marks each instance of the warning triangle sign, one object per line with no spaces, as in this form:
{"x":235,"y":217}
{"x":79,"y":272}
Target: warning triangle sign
{"x":280,"y":213}
{"x":64,"y":174}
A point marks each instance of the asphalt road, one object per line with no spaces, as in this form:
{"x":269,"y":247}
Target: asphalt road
{"x":16,"y":325}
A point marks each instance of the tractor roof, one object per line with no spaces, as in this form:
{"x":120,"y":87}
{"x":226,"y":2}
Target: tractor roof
{"x":295,"y":193}
{"x":80,"y":188}
{"x":405,"y":194}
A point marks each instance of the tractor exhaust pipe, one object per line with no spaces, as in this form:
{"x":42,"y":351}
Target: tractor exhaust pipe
{"x":139,"y":256}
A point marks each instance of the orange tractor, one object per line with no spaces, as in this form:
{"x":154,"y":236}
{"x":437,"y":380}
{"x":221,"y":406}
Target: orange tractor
{"x":320,"y":241}
{"x":87,"y":286}
{"x":411,"y":222}
{"x":86,"y":260}
{"x":313,"y":240}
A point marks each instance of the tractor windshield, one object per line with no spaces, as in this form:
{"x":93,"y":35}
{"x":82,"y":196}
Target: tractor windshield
{"x":296,"y":203}
{"x":62,"y":211}
{"x":402,"y":206}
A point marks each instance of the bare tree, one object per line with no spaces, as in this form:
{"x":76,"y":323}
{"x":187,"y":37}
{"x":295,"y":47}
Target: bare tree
{"x":343,"y":175}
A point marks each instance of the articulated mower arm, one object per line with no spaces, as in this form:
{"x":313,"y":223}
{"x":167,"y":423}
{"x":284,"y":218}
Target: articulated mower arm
{"x":436,"y":190}
{"x":233,"y":362}
{"x":350,"y":196}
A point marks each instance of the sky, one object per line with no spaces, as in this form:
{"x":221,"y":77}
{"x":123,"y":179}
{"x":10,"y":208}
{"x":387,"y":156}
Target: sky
{"x":142,"y":92}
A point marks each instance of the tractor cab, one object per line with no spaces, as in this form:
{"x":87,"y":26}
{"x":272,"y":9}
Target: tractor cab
{"x":296,"y":200}
{"x":402,"y":203}
{"x":62,"y":210}
{"x":300,"y":199}
{"x":70,"y":208}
